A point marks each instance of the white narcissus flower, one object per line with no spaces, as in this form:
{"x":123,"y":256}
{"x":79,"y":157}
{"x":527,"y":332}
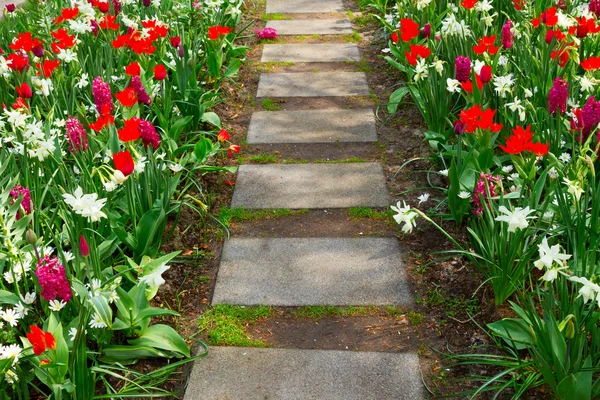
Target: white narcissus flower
{"x":438,"y":65}
{"x":444,"y":172}
{"x":589,"y":291}
{"x":503,"y":84}
{"x":29,"y":298}
{"x":86,"y":205}
{"x":423,"y":198}
{"x":155,"y":279}
{"x":453,"y":85}
{"x":118,"y":177}
{"x":550,"y":255}
{"x":574,"y":189}
{"x":405,"y":215}
{"x":517,"y":219}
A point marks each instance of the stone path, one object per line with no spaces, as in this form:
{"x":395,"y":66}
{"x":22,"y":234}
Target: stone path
{"x":317,"y":270}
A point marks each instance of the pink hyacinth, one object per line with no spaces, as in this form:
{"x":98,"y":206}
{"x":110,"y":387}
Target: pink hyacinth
{"x":148,"y":134}
{"x":76,"y":135}
{"x":557,"y":97}
{"x":53,"y":279}
{"x":116,"y":6}
{"x":102,"y":96}
{"x":95,"y":27}
{"x":507,"y":36}
{"x":463,"y":68}
{"x":590,"y":116}
{"x":485,"y":183}
{"x":18,"y":191}
{"x":267,"y":33}
{"x":595,"y":7}
{"x":137,"y":85}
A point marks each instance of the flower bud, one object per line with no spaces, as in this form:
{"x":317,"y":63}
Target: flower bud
{"x":31,"y":237}
{"x":38,"y":50}
{"x":570,"y":329}
{"x":485,"y":74}
{"x":10,"y":7}
{"x":426,"y":31}
{"x":84,"y":249}
{"x":459,"y":127}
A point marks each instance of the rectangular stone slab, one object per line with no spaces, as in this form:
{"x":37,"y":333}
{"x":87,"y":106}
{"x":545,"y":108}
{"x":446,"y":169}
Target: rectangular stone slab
{"x":312,"y":126}
{"x":310,"y":53}
{"x":312,"y":271}
{"x":304,"y":6}
{"x":312,"y":27}
{"x":310,"y":186}
{"x":239,"y":373}
{"x":313,"y":84}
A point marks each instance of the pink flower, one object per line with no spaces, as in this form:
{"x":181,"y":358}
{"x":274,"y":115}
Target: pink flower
{"x":102,"y":96}
{"x":463,"y":68}
{"x":595,"y":7}
{"x":267,"y":33}
{"x":76,"y":136}
{"x":149,"y":135}
{"x":485,"y":183}
{"x":557,"y":97}
{"x":53,"y":279}
{"x":18,"y":191}
{"x":590,"y":116}
{"x":116,"y":6}
{"x":137,"y":85}
{"x":507,"y":36}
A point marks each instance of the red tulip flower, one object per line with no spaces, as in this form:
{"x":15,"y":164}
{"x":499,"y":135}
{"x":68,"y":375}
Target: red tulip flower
{"x":131,"y":130}
{"x":127,"y":97}
{"x":485,"y":74}
{"x":24,"y":91}
{"x":103,"y":7}
{"x":84,"y":249}
{"x":133,"y":69}
{"x":40,"y":340}
{"x":175,"y":41}
{"x":124,"y":162}
{"x":160,"y":72}
{"x":223,"y":135}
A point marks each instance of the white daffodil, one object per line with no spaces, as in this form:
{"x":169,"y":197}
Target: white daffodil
{"x":423,"y":198}
{"x":453,"y":85}
{"x":503,"y":84}
{"x":438,"y":65}
{"x":517,"y":219}
{"x":573,"y":187}
{"x":550,"y":255}
{"x":405,"y":215}
{"x":86,"y":205}
{"x":589,"y":291}
{"x":155,"y":279}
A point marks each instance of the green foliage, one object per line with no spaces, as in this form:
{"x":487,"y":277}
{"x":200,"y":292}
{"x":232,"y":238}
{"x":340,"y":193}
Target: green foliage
{"x":227,"y":215}
{"x":370,"y":213}
{"x":270,"y":104}
{"x":225,"y":325}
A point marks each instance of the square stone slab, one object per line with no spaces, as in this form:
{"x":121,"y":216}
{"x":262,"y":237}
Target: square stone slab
{"x":312,"y":126}
{"x":312,"y":271}
{"x":239,"y":373}
{"x":304,"y":6}
{"x":313,"y":84}
{"x":310,"y":53}
{"x":312,"y":27}
{"x":310,"y":186}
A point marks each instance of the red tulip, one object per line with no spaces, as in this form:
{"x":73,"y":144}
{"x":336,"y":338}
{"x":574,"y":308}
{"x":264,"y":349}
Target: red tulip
{"x":127,"y":97}
{"x":223,"y":135}
{"x":485,"y":74}
{"x":24,"y":91}
{"x":40,"y":340}
{"x":131,"y":130}
{"x":84,"y":249}
{"x":160,"y":72}
{"x":123,"y":162}
{"x":175,"y":41}
{"x":133,"y":69}
{"x":103,"y":7}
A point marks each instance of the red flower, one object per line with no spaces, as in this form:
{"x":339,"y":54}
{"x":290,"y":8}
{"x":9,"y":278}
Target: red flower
{"x":175,"y":41}
{"x":133,"y":69}
{"x":216,"y":31}
{"x":538,"y":148}
{"x":102,"y":121}
{"x":584,"y":27}
{"x":230,"y":183}
{"x":127,"y":97}
{"x":48,"y":67}
{"x":409,"y":29}
{"x":223,"y":135}
{"x":19,"y":103}
{"x":160,"y":72}
{"x":123,"y":162}
{"x":24,"y":91}
{"x":591,"y":64}
{"x":25,"y":42}
{"x":417,"y":51}
{"x":109,"y":22}
{"x":518,"y":141}
{"x":468,"y":4}
{"x":547,"y":17}
{"x":485,"y":74}
{"x":486,"y":43}
{"x":67,"y":14}
{"x":468,"y":85}
{"x":394,"y":37}
{"x":40,"y":340}
{"x":64,"y":40}
{"x":131,"y":130}
{"x":17,"y":62}
{"x":475,"y":117}
{"x":234,"y":148}
{"x":103,"y":7}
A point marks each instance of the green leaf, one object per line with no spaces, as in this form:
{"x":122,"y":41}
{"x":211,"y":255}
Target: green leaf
{"x":233,"y":68}
{"x":130,"y":354}
{"x":396,"y":98}
{"x":178,"y":127}
{"x":103,"y":309}
{"x":212,"y":118}
{"x":514,"y":331}
{"x":202,"y":149}
{"x":7,"y":297}
{"x":147,"y":227}
{"x":486,"y":159}
{"x":163,"y":337}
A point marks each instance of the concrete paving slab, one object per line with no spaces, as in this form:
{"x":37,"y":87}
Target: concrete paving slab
{"x":304,"y":6}
{"x":312,"y":126}
{"x":313,"y":84}
{"x":312,"y":271}
{"x":310,"y":186}
{"x":312,"y":27}
{"x":345,"y":52}
{"x":238,"y":373}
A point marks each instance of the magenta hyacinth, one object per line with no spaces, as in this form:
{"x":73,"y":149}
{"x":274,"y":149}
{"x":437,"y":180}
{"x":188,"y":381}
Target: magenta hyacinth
{"x":53,"y":279}
{"x":18,"y":191}
{"x":463,"y":68}
{"x":76,"y":135}
{"x":116,"y":6}
{"x":485,"y":183}
{"x":137,"y":85}
{"x":557,"y":97}
{"x":507,"y":36}
{"x":590,"y":116}
{"x":426,"y":31}
{"x":595,"y":7}
{"x":149,"y":135}
{"x":267,"y":33}
{"x":102,"y":96}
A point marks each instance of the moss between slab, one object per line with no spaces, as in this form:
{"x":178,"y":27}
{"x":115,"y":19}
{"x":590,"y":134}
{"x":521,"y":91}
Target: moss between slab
{"x":225,"y":325}
{"x":239,"y":214}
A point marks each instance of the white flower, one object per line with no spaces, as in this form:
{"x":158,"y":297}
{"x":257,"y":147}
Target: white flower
{"x":552,"y":273}
{"x":574,"y":189}
{"x":439,"y":66}
{"x":118,"y":177}
{"x":549,"y":255}
{"x":110,"y":186}
{"x":406,"y":215}
{"x":587,"y":85}
{"x":11,"y":376}
{"x":385,"y":50}
{"x":16,"y":118}
{"x":21,"y":310}
{"x":175,"y":167}
{"x":421,"y":4}
{"x":451,"y":27}
{"x":112,"y":297}
{"x":10,"y":316}
{"x":565,"y":157}
{"x":96,"y":322}
{"x":11,"y":351}
{"x":155,"y":279}
{"x":57,"y":305}
{"x":503,"y":84}
{"x":72,"y":334}
{"x":464,"y":194}
{"x":516,"y":219}
{"x":83,"y":81}
{"x":507,"y":168}
{"x":140,"y":165}
{"x":552,"y":173}
{"x":517,"y":106}
{"x":502,"y":61}
{"x":423,"y":198}
{"x":477,"y":65}
{"x":444,"y":172}
{"x":528,"y":93}
{"x":589,"y":291}
{"x":421,"y":70}
{"x":453,"y":86}
{"x":483,"y":6}
{"x":29,"y":298}
{"x":80,"y":26}
{"x":86,"y":205}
